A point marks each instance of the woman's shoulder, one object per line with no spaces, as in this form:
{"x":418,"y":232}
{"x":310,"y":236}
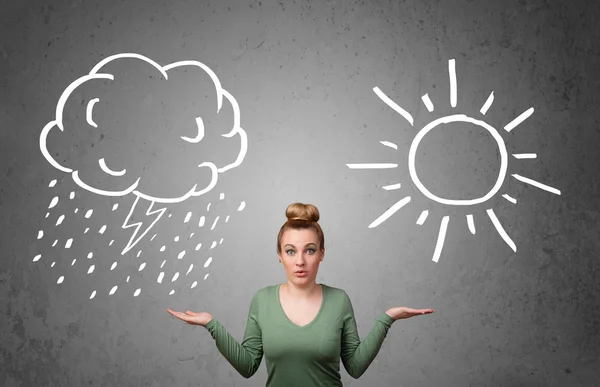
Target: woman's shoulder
{"x":335,"y":292}
{"x":262,"y":296}
{"x":266,"y":292}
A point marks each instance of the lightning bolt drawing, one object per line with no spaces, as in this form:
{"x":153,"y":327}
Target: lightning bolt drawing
{"x":138,"y":225}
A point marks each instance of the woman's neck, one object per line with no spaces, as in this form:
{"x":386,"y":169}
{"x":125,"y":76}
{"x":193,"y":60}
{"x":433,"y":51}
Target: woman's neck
{"x":301,"y":292}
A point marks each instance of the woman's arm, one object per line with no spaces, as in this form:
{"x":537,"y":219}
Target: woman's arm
{"x":356,"y":355}
{"x":247,"y":356}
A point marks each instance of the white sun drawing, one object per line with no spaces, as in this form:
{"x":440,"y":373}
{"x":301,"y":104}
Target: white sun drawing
{"x":421,"y":187}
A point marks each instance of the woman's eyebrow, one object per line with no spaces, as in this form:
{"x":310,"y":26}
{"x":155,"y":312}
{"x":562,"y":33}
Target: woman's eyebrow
{"x":308,"y":244}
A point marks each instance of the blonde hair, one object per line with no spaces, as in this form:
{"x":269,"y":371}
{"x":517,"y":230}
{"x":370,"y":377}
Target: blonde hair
{"x":301,"y":217}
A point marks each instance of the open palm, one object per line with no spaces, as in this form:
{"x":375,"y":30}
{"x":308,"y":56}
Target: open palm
{"x":401,"y":312}
{"x":192,"y":318}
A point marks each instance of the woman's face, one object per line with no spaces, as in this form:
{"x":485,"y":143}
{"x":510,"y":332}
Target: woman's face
{"x":300,"y":251}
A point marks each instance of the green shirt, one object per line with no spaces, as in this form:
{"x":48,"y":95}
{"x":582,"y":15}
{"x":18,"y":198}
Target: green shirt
{"x":307,"y":356}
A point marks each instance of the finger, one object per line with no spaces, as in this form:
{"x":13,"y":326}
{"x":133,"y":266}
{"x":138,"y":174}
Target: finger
{"x":417,"y":312}
{"x":180,"y":316}
{"x":189,"y":312}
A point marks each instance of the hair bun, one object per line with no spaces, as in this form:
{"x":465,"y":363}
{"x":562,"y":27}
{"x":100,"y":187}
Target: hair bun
{"x":301,"y":211}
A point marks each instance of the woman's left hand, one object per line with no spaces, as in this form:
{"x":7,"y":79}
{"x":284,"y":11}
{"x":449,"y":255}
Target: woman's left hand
{"x":401,"y":312}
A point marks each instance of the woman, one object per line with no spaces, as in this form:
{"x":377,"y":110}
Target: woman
{"x":303,"y":328}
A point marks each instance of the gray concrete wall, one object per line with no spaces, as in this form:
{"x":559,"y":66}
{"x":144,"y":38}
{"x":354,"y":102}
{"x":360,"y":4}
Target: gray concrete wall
{"x":303,"y":75}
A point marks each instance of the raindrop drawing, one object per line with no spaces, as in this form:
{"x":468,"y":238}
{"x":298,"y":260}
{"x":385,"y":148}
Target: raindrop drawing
{"x":462,"y":118}
{"x":118,"y":180}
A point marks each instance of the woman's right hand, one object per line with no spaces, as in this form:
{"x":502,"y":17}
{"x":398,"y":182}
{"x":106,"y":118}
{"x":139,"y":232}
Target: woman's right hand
{"x":192,"y":318}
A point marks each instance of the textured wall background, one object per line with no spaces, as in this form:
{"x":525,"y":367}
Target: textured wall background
{"x":303,"y":75}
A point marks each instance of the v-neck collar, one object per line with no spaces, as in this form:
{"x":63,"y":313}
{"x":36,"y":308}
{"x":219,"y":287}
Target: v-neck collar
{"x":324,"y":298}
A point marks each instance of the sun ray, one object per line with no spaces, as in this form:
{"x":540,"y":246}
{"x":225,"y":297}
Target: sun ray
{"x":471,"y":224}
{"x":441,"y":237}
{"x":452,"y":72}
{"x":383,"y":217}
{"x":510,"y":198}
{"x":422,"y":217}
{"x":392,"y":186}
{"x":513,"y":124}
{"x":393,"y":105}
{"x":501,"y":230}
{"x":427,"y":102}
{"x":372,"y":166}
{"x":487,"y":104}
{"x":536,"y":184}
{"x":390,"y":144}
{"x":524,"y":155}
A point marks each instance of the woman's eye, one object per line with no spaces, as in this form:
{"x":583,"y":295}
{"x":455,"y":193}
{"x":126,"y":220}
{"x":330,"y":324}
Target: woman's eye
{"x":290,"y":252}
{"x":311,"y":251}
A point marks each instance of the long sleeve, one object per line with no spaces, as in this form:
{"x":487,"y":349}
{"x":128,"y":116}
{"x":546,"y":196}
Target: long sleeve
{"x":247,"y":356}
{"x":356,"y":355}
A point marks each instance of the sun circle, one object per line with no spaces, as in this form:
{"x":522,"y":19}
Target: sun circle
{"x":458,"y":118}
